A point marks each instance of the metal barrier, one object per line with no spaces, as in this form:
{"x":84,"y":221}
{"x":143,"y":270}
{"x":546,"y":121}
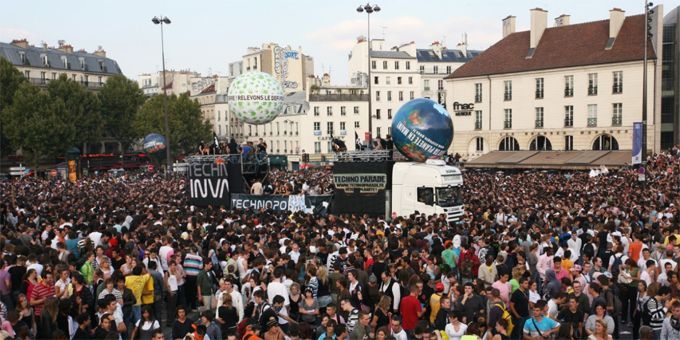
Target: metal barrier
{"x":368,"y":156}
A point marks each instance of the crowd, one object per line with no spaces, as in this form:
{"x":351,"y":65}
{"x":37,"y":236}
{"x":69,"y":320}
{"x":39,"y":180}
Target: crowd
{"x":309,"y":181}
{"x":538,"y":255}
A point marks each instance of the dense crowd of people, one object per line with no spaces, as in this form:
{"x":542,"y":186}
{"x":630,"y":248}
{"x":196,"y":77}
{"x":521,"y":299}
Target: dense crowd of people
{"x":309,"y":181}
{"x":537,"y":255}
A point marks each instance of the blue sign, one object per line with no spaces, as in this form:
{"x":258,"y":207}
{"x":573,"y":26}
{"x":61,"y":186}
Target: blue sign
{"x":422,"y":129}
{"x":637,"y":143}
{"x":291,"y":55}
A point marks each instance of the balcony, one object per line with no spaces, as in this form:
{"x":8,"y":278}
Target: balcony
{"x":617,"y":120}
{"x":569,"y":92}
{"x":568,"y":122}
{"x":337,"y":97}
{"x":539,"y":123}
{"x":92,"y":85}
{"x":592,"y":122}
{"x":507,"y":124}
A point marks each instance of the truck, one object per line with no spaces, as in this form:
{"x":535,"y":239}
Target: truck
{"x":375,"y":184}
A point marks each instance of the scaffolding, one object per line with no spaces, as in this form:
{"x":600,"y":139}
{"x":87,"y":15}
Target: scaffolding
{"x":367,"y":156}
{"x":252,"y":165}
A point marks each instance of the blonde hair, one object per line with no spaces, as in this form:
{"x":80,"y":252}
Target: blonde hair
{"x":385,"y":302}
{"x":322,"y":274}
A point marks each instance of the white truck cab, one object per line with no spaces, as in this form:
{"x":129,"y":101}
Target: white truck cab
{"x":431,"y":188}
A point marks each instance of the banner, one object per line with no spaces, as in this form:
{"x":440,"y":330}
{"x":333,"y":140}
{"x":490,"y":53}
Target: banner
{"x":72,"y":170}
{"x":637,"y":143}
{"x":360,"y":187}
{"x":292,"y":203}
{"x":363,"y":182}
{"x":211,"y":183}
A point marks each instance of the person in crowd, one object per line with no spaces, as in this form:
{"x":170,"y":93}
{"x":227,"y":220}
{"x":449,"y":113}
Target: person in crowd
{"x":539,"y":325}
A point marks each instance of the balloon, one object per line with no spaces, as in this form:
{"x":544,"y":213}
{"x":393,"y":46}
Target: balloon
{"x":422,"y":129}
{"x":255,"y":98}
{"x":153,"y":143}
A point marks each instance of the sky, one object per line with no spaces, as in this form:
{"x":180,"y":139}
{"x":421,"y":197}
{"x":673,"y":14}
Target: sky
{"x":206,"y":35}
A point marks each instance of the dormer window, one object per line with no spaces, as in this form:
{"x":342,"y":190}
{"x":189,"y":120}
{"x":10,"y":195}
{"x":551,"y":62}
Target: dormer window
{"x":64,"y":61}
{"x":24,"y":60}
{"x":45,"y":62}
{"x":82,"y":63}
{"x":102,"y":67}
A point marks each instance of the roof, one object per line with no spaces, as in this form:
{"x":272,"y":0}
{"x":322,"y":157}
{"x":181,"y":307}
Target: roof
{"x":560,"y":47}
{"x":428,"y":55}
{"x":208,"y":89}
{"x":551,"y":159}
{"x":54,"y":57}
{"x":391,"y":55}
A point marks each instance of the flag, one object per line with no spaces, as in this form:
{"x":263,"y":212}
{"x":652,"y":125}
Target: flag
{"x":357,"y":141}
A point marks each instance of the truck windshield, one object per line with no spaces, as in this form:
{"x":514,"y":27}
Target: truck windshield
{"x":448,"y":196}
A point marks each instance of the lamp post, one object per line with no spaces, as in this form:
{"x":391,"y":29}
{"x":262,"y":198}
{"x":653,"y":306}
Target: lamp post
{"x":369,"y":9}
{"x":160,"y":21}
{"x":648,"y":35}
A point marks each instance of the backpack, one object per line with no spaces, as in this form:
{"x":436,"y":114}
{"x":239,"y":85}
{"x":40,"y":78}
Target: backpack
{"x":507,"y":317}
{"x":616,"y":267}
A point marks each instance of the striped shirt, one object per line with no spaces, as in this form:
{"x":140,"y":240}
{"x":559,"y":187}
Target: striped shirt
{"x":41,"y":291}
{"x":192,"y":264}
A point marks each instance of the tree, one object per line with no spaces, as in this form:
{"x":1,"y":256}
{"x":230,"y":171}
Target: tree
{"x":10,"y":79}
{"x":120,"y":99}
{"x":35,"y":123}
{"x":185,"y":120}
{"x":82,"y":109}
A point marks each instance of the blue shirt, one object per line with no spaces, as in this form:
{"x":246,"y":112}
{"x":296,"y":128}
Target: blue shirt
{"x":545,"y":325}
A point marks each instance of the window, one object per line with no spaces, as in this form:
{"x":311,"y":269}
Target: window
{"x":426,"y":195}
{"x":102,"y":67}
{"x":342,"y":126}
{"x":54,"y":75}
{"x":507,"y":95}
{"x":592,"y":115}
{"x":87,"y":79}
{"x":479,"y":147}
{"x":426,"y":84}
{"x":373,"y":65}
{"x":317,"y":147}
{"x":82,"y":63}
{"x":219,"y":115}
{"x":568,"y":86}
{"x":64,"y":61}
{"x":388,"y":81}
{"x":398,"y":80}
{"x":617,"y":114}
{"x":285,"y":146}
{"x":478,"y":92}
{"x":375,"y":80}
{"x":410,"y":80}
{"x":389,"y":113}
{"x":356,"y":110}
{"x":43,"y":75}
{"x":377,"y":96}
{"x":401,"y":96}
{"x":440,"y":84}
{"x":45,"y":62}
{"x":329,"y":128}
{"x":569,"y":116}
{"x":255,"y":63}
{"x":435,"y":69}
{"x":539,"y":117}
{"x":250,"y":130}
{"x":539,"y":88}
{"x":540,"y":143}
{"x":408,"y":65}
{"x":411,"y":95}
{"x":356,"y":125}
{"x":389,"y":96}
{"x":396,"y":65}
{"x":316,"y":110}
{"x":448,"y":69}
{"x":329,"y":110}
{"x":385,"y":65}
{"x":478,"y":120}
{"x":605,"y":142}
{"x":278,"y":132}
{"x":343,"y":111}
{"x":389,"y":130}
{"x":317,"y":126}
{"x":27,"y":74}
{"x":592,"y":84}
{"x":377,"y":114}
{"x":377,"y":131}
{"x":99,"y":78}
{"x":618,"y":82}
{"x":22,"y":57}
{"x":507,"y":123}
{"x":422,"y":68}
{"x":508,"y":144}
{"x":568,"y":143}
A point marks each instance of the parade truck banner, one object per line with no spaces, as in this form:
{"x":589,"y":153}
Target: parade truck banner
{"x":360,"y":187}
{"x":211,"y":183}
{"x":292,"y":203}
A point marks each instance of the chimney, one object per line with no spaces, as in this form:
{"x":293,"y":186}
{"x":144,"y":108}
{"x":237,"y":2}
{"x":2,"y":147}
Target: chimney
{"x":100,"y":52}
{"x":539,"y":21}
{"x":616,"y":17}
{"x":23,"y":43}
{"x":436,"y":47}
{"x":64,"y":47}
{"x":509,"y":25}
{"x":562,"y":20}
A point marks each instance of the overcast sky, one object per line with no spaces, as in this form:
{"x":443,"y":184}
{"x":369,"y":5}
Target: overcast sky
{"x":206,"y":35}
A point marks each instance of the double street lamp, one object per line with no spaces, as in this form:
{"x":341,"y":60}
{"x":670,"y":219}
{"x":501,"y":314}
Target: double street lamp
{"x":368,"y":9}
{"x":160,"y":21}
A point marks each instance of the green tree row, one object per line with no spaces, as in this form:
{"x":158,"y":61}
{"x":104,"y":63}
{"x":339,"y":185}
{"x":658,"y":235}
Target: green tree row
{"x":46,"y":122}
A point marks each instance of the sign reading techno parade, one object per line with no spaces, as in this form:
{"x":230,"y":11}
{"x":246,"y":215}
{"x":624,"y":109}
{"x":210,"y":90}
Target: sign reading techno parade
{"x":365,"y":183}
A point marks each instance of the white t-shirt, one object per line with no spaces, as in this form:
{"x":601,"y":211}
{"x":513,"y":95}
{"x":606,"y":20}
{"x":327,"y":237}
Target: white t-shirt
{"x":95,"y":237}
{"x":453,"y":334}
{"x":148,"y":325}
{"x":164,"y":253}
{"x":277,"y":288}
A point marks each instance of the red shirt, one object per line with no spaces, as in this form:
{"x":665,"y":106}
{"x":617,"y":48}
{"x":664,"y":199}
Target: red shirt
{"x":41,"y":291}
{"x":409,"y":309}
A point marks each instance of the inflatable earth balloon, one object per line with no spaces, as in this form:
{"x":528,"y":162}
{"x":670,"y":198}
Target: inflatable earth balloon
{"x":422,"y":129}
{"x":255,"y":98}
{"x":154,"y":143}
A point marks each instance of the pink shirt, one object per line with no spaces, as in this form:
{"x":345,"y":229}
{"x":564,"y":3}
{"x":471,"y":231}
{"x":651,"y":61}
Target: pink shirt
{"x":562,"y":274}
{"x":504,"y":288}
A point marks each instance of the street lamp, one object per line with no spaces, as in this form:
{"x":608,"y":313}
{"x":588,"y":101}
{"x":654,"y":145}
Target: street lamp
{"x":160,"y":21}
{"x":648,"y":35}
{"x":369,"y":9}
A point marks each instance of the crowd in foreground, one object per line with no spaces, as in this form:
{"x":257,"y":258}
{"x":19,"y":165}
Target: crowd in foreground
{"x":538,"y":255}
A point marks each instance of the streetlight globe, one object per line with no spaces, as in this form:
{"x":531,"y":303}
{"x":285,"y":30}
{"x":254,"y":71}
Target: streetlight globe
{"x":166,"y":20}
{"x":360,"y":9}
{"x":155,"y":20}
{"x":368,"y":9}
{"x":376,"y":8}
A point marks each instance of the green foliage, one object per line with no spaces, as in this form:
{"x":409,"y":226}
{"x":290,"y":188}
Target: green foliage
{"x":120,"y":99}
{"x":82,"y":109}
{"x":185,"y":120}
{"x":10,"y":79}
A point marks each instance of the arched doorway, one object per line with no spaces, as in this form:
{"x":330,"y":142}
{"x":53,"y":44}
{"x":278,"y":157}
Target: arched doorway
{"x":605,"y":142}
{"x":540,"y":143}
{"x":508,"y":144}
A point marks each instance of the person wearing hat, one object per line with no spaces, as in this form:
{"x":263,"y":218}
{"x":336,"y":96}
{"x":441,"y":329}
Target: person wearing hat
{"x":435,"y":301}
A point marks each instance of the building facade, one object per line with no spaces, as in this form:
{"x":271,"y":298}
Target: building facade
{"x":567,"y":87}
{"x":176,"y":82}
{"x":670,"y":96}
{"x":42,"y":64}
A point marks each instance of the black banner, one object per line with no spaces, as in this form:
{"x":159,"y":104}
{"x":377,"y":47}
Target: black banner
{"x":309,"y":204}
{"x":360,"y":187}
{"x":211,"y":183}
